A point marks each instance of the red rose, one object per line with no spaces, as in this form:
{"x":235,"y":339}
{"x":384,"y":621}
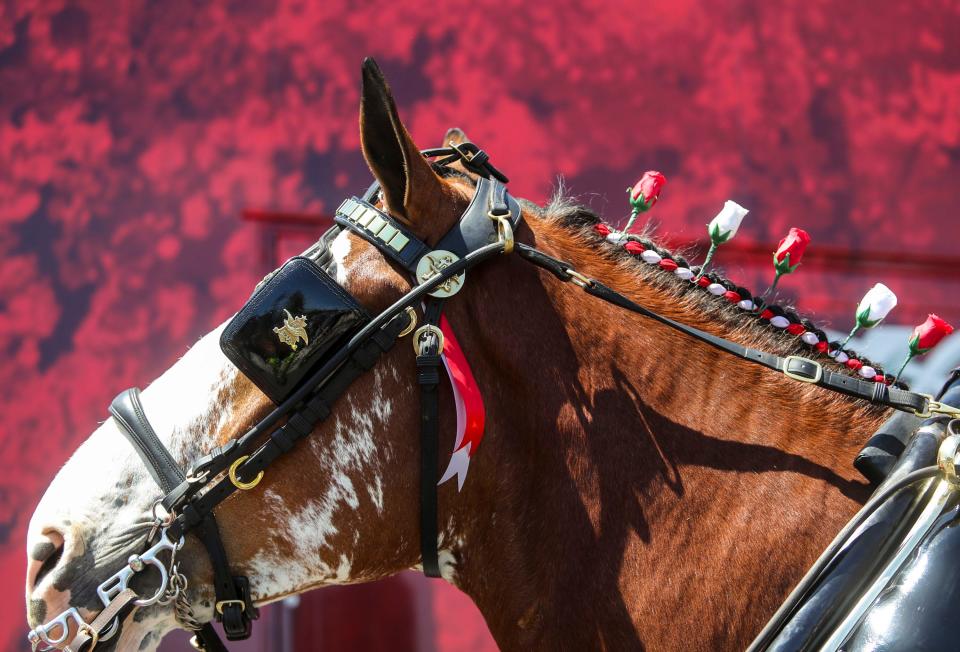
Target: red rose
{"x":645,"y":192}
{"x":928,"y":334}
{"x":790,"y":251}
{"x":602,"y":229}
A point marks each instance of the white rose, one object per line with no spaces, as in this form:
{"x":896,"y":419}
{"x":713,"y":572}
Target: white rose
{"x":875,"y":305}
{"x":724,"y":226}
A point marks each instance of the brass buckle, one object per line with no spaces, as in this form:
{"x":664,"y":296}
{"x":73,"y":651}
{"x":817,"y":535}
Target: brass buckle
{"x":413,"y":322}
{"x":579,"y":279}
{"x":90,"y":633}
{"x":803,"y":379}
{"x":504,"y":230}
{"x":427,"y":328}
{"x":936,"y":407}
{"x":243,"y":486}
{"x":464,"y":154}
{"x":227,"y":603}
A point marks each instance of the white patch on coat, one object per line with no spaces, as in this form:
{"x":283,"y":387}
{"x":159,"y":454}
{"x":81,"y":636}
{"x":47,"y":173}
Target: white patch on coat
{"x":105,"y":492}
{"x":350,"y":454}
{"x":340,"y":249}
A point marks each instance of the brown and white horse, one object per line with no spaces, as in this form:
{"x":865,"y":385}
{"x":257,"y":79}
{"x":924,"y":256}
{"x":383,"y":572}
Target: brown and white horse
{"x":634,"y":489}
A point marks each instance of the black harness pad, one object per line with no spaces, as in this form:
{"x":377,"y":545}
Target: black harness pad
{"x":289,"y":325}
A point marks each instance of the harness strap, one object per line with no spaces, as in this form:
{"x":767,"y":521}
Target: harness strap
{"x":128,"y":414}
{"x":428,"y":377}
{"x":472,"y":231}
{"x":118,"y":609}
{"x":237,"y":612}
{"x":795,"y":367}
{"x":313,"y":410}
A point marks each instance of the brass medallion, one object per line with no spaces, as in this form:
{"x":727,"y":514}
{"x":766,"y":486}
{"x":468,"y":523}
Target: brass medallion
{"x":293,"y":330}
{"x":432,"y":264}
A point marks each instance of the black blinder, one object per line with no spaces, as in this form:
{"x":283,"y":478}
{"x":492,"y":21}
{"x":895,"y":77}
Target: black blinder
{"x":289,"y":326}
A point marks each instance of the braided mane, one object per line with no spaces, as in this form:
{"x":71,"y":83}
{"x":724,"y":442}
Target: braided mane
{"x":777,"y":327}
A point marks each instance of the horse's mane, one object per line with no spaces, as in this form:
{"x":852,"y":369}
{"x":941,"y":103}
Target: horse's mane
{"x":584,"y":222}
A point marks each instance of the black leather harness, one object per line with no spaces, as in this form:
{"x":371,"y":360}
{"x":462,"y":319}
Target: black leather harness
{"x":480,"y":234}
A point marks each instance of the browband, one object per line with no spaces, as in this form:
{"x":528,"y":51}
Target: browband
{"x":474,"y":229}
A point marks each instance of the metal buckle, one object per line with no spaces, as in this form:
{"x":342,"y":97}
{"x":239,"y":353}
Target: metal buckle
{"x":803,"y":379}
{"x":412,"y":314}
{"x":232,"y":473}
{"x":504,"y":229}
{"x":936,"y":407}
{"x":427,"y":328}
{"x":579,"y":279}
{"x":227,"y":603}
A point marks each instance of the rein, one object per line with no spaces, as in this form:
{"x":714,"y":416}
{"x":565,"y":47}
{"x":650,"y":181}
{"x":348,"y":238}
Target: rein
{"x":484,"y":231}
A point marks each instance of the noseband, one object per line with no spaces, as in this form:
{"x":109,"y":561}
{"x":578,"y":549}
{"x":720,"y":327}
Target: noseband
{"x":333,"y":356}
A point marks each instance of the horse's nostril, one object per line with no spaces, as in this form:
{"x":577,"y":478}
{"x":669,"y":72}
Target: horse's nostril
{"x":44,"y":557}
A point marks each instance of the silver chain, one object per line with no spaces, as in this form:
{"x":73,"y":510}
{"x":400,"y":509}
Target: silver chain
{"x":183,"y":610}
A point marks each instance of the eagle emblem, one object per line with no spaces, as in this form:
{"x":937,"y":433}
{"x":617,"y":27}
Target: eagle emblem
{"x":293,"y":330}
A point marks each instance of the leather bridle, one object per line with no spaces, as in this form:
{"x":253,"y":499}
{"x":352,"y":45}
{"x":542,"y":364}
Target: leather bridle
{"x":484,"y":231}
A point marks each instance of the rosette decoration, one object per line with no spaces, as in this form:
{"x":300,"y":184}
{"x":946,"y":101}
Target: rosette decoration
{"x":643,"y":195}
{"x":924,"y":337}
{"x":722,"y":229}
{"x":873,"y":307}
{"x":786,"y":259}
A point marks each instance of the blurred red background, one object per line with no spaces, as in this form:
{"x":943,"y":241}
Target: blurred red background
{"x":133,"y":134}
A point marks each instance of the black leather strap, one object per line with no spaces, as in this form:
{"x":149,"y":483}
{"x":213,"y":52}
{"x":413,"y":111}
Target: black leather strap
{"x":795,"y":367}
{"x":382,"y":231}
{"x":428,"y":377}
{"x":129,"y":415}
{"x":476,"y":228}
{"x":301,"y":423}
{"x":119,"y":608}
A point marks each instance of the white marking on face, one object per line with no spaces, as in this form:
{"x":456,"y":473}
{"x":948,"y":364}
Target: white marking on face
{"x":104,"y":490}
{"x":340,"y":249}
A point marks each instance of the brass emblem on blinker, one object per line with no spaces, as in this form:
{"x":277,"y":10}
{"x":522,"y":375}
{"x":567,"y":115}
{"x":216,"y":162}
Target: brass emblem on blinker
{"x":432,"y":264}
{"x":293,"y":330}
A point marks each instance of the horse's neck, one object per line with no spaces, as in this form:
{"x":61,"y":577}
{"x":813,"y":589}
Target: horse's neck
{"x":633,"y":472}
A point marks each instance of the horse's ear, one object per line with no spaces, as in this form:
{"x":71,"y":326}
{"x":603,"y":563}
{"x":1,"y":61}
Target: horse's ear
{"x":409,"y":183}
{"x":455,"y":136}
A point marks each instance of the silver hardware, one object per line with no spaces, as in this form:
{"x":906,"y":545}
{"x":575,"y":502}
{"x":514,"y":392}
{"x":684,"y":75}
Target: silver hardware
{"x":135,"y":563}
{"x":183,"y":610}
{"x":818,"y":374}
{"x":111,"y":588}
{"x":56,"y":632}
{"x":947,"y":457}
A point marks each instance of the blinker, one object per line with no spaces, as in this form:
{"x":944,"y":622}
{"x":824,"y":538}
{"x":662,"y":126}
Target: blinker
{"x":291,"y":325}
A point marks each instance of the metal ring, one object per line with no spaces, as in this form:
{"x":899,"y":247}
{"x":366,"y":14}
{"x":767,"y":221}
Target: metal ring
{"x":427,"y":328}
{"x":504,"y":230}
{"x":232,"y":473}
{"x":90,"y":632}
{"x":413,"y":322}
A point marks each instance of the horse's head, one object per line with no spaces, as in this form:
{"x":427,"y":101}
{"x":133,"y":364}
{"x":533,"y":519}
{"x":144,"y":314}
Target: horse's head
{"x":341,"y":507}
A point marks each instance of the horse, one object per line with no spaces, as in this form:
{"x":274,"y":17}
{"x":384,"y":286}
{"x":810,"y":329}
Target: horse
{"x":635,"y":488}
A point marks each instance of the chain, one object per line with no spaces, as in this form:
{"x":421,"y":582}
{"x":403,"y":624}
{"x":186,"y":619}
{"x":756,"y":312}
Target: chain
{"x":177,"y":593}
